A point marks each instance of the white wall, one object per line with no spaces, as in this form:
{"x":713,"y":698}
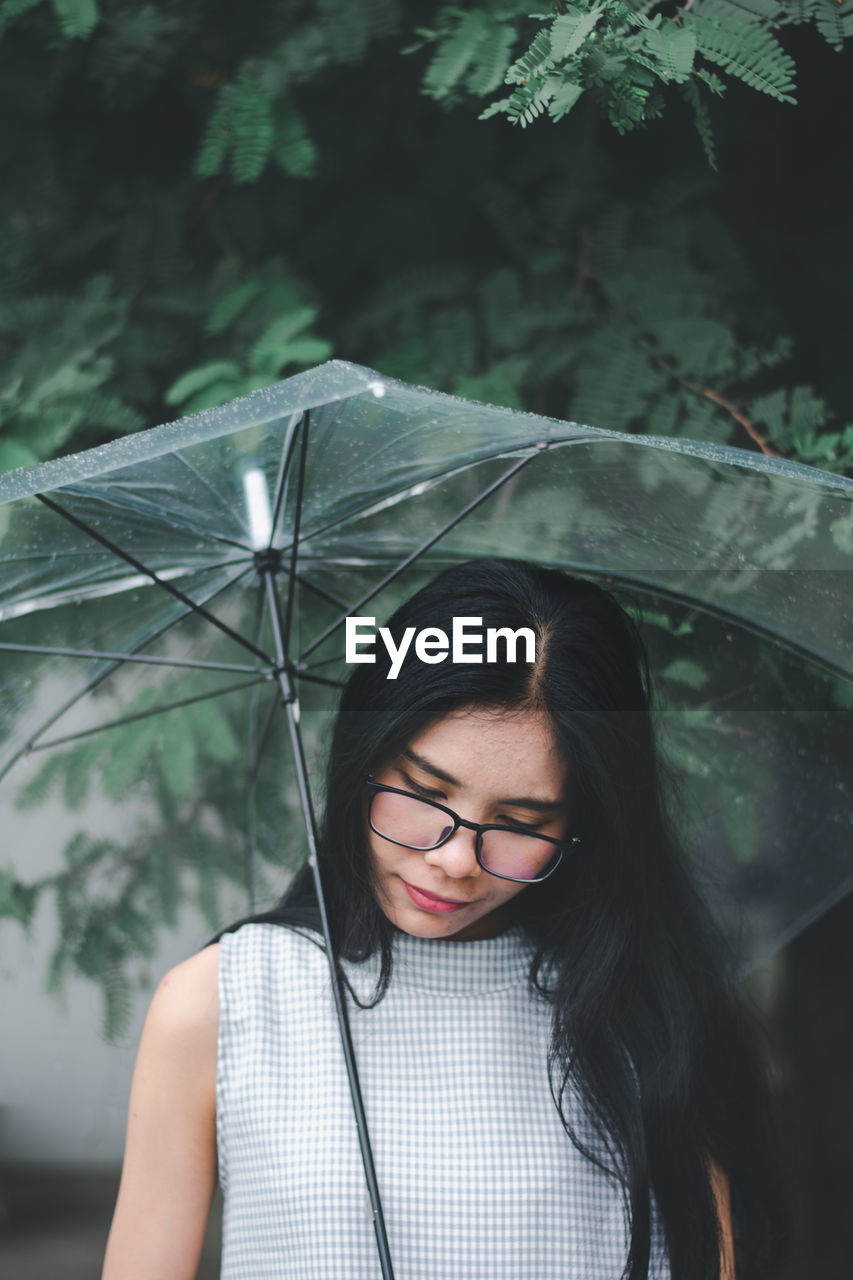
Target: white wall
{"x":63,"y":1088}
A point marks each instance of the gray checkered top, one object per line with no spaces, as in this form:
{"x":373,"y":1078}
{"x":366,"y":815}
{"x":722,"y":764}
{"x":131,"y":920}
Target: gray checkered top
{"x":478,"y":1178}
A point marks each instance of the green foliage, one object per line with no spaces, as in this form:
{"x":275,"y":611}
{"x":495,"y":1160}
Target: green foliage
{"x":154,"y":327}
{"x":799,"y":422}
{"x":832,"y":19}
{"x":473,"y":35}
{"x":76,"y":18}
{"x":42,"y":403}
{"x":167,"y":748}
{"x":17,"y":900}
{"x":132,"y":50}
{"x":686,"y":671}
{"x":267,"y":319}
{"x":751,"y":54}
{"x":12,"y":9}
{"x":676,"y":359}
{"x":617,"y":54}
{"x":241,"y":130}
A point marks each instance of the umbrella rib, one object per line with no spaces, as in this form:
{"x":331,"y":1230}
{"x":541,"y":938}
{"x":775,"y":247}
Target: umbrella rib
{"x":155,"y":578}
{"x":106,"y":497}
{"x":104,"y":675}
{"x":262,"y":740}
{"x":321,"y":662}
{"x":284,"y":471}
{"x":425,"y":546}
{"x":758,"y":629}
{"x":802,"y":922}
{"x":143,"y":715}
{"x":251,"y":844}
{"x":125,"y":657}
{"x":291,"y":705}
{"x":322,"y":592}
{"x":396,"y":495}
{"x":294,"y":546}
{"x":73,"y":554}
{"x":226,"y":506}
{"x":251,"y":824}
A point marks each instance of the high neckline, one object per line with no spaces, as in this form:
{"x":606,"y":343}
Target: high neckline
{"x":440,"y":966}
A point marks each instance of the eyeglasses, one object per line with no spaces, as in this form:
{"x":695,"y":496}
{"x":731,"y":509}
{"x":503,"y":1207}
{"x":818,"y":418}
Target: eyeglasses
{"x":415,"y":823}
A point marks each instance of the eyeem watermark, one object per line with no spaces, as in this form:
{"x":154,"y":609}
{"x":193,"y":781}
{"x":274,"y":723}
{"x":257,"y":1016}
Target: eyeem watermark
{"x":465,"y":643}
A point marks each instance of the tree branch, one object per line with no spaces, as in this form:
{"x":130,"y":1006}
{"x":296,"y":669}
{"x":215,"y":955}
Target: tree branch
{"x":715,"y":396}
{"x":739,"y":417}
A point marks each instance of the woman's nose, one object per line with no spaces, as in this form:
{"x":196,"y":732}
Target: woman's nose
{"x":457,"y":858}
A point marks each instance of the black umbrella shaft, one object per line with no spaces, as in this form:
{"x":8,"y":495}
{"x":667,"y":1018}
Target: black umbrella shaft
{"x":290,"y":704}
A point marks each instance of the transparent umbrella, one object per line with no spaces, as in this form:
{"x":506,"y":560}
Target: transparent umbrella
{"x":172,"y":614}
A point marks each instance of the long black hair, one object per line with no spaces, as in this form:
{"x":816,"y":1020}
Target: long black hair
{"x":647,"y":1026}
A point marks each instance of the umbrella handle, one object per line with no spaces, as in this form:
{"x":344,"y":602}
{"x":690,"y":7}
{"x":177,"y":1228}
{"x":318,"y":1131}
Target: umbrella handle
{"x":290,"y":704}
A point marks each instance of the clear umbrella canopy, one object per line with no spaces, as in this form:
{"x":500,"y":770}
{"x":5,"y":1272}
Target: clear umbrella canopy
{"x":141,"y":664}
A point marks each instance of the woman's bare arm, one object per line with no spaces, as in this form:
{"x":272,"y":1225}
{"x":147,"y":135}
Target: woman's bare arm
{"x":169,"y":1170}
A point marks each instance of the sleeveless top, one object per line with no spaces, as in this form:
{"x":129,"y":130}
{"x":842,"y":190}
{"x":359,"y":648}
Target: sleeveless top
{"x":478,"y":1178}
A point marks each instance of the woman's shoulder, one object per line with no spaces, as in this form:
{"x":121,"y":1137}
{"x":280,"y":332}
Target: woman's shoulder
{"x":185,"y":1009}
{"x":186,"y":999}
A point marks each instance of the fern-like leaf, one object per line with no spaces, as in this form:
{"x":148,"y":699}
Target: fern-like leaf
{"x":833,"y":22}
{"x":254,"y":131}
{"x":241,"y":127}
{"x":565,"y":97}
{"x":767,"y":13}
{"x":227,"y":308}
{"x":751,"y":54}
{"x":672,"y":47}
{"x":295,"y":150}
{"x":77,"y":18}
{"x":570,"y":30}
{"x":528,"y":101}
{"x":217,"y":136}
{"x":118,"y":1000}
{"x":702,"y":117}
{"x":349,"y":28}
{"x":712,"y":80}
{"x":12,"y":9}
{"x":535,"y":62}
{"x":305,"y":351}
{"x":269,"y":347}
{"x":455,"y":53}
{"x":492,"y":60}
{"x":200,"y":377}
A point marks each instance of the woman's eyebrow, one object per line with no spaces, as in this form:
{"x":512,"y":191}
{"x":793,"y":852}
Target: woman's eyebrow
{"x":527,"y":802}
{"x":521,"y":802}
{"x":430,"y":768}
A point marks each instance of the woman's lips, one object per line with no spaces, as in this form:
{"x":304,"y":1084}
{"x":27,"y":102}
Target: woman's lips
{"x":429,"y":902}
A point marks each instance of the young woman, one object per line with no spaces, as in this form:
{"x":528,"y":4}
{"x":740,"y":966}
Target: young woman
{"x":557,"y":1079}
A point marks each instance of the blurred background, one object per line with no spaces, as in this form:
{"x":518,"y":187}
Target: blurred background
{"x":649,"y":232}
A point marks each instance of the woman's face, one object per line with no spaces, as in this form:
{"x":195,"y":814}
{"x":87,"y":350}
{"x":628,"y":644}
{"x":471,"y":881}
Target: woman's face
{"x":487,"y":766}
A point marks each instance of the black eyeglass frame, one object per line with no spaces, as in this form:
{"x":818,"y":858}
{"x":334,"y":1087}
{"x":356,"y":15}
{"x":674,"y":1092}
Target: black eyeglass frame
{"x":559,"y":845}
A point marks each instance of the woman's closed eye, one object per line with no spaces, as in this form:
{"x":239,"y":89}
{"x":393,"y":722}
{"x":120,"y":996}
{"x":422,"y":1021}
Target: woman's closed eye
{"x":425,"y":792}
{"x":504,"y":821}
